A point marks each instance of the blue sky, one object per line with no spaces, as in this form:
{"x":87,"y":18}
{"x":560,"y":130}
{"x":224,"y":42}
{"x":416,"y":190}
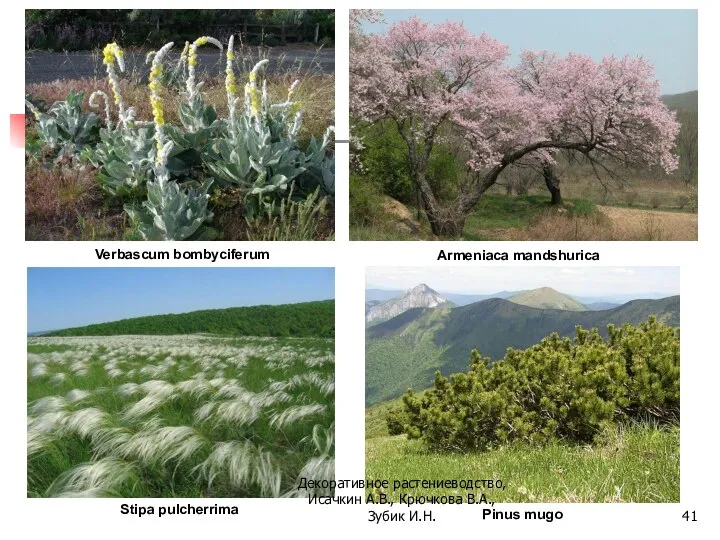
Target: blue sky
{"x":667,"y":38}
{"x":580,"y":281}
{"x":66,"y":297}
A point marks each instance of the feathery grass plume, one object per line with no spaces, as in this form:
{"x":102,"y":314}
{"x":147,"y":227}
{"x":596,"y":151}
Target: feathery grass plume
{"x":243,"y":463}
{"x":95,"y":105}
{"x":232,"y":459}
{"x":164,"y":444}
{"x":231,"y":389}
{"x":295,"y":413}
{"x":58,"y":378}
{"x":158,"y":393}
{"x":158,"y":387}
{"x":192,"y":87}
{"x":37,"y":441}
{"x":238,"y":411}
{"x":316,"y":468}
{"x":325,"y":384}
{"x":324,"y":438}
{"x":113,"y":53}
{"x":38,"y":371}
{"x":128,"y":389}
{"x":76,"y":395}
{"x":85,"y":421}
{"x":196,"y":388}
{"x":107,"y":441}
{"x":267,"y":474}
{"x":252,"y":94}
{"x":48,"y":404}
{"x":102,"y":478}
{"x":204,"y":412}
{"x":320,"y":467}
{"x":155,"y":86}
{"x":115,"y":373}
{"x":49,"y":422}
{"x":146,"y":405}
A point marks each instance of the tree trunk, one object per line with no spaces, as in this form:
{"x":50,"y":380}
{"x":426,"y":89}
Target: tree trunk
{"x":444,"y":222}
{"x":553,"y":184}
{"x":447,"y":227}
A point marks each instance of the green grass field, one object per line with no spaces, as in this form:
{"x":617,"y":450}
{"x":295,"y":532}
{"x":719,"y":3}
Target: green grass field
{"x":632,"y":464}
{"x":178,"y":416}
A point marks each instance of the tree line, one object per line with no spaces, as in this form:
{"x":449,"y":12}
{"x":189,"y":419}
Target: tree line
{"x":308,"y":319}
{"x":86,"y":29}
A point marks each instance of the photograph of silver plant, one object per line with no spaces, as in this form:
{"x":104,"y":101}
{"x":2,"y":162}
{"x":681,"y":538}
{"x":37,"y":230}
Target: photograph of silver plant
{"x":144,"y":138}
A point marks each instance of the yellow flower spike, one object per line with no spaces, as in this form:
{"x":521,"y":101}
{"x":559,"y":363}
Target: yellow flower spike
{"x":255,"y":100}
{"x":109,"y":54}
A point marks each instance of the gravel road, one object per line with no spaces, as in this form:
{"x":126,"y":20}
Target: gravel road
{"x":50,"y":66}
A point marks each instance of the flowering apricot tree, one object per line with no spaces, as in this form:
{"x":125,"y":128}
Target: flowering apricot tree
{"x":430,"y":79}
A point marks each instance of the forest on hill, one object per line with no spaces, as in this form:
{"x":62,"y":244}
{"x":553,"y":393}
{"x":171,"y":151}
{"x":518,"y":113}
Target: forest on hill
{"x":307,"y":319}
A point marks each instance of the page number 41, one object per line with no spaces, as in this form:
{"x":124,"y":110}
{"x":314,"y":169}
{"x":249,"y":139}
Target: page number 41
{"x":689,"y":515}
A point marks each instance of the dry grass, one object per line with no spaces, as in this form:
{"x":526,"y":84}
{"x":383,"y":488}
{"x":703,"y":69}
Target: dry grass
{"x":65,"y":203}
{"x":609,"y":223}
{"x":630,"y":224}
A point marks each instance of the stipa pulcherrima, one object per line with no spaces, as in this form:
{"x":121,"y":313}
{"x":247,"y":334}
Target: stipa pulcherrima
{"x":162,"y":416}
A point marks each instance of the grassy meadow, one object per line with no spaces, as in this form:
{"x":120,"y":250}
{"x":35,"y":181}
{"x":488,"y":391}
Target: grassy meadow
{"x":178,"y":416}
{"x":530,"y":217}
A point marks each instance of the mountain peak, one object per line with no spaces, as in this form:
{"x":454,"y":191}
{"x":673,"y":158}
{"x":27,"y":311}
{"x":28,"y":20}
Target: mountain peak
{"x":547,"y":298}
{"x":420,"y":296}
{"x":422,"y":288}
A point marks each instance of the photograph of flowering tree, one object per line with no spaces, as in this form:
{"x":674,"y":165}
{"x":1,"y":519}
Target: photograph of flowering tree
{"x":179,"y":125}
{"x":523,"y":125}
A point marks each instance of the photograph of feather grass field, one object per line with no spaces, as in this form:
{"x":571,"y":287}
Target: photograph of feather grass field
{"x":219,"y":402}
{"x":179,"y":124}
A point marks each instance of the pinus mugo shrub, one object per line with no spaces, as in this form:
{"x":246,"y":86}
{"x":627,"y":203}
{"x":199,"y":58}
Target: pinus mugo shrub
{"x":651,"y":353}
{"x":559,"y":389}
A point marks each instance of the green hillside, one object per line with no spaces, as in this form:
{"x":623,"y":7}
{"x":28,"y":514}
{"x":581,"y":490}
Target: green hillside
{"x":547,"y":298}
{"x":406,"y":350}
{"x":308,"y":319}
{"x":686,"y":101}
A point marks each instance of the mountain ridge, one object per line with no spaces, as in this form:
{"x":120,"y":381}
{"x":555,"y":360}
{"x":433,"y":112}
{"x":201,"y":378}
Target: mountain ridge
{"x":405,"y":351}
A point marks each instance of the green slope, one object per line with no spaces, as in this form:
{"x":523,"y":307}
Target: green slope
{"x":405,"y":351}
{"x":307,"y":319}
{"x":687,"y":101}
{"x":406,"y":354}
